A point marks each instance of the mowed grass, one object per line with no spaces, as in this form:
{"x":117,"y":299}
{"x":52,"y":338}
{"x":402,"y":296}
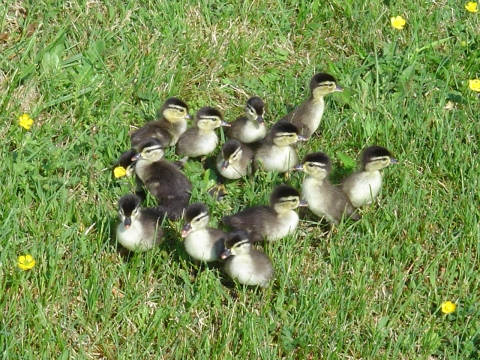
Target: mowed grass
{"x":89,"y":73}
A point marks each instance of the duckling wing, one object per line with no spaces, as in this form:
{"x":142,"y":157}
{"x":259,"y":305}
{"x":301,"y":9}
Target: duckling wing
{"x":253,"y":220}
{"x":152,"y":129}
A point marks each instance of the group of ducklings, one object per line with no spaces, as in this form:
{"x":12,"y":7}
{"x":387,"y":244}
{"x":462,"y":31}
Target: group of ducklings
{"x":250,"y":147}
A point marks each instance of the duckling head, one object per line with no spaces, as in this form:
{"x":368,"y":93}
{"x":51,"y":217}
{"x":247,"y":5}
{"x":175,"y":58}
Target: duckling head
{"x":150,"y":150}
{"x":129,"y":209}
{"x":285,"y":134}
{"x":254,"y":110}
{"x":125,"y":161}
{"x":323,"y":84}
{"x":175,"y":110}
{"x":196,"y":217}
{"x":236,"y":243}
{"x":285,"y":198}
{"x":208,"y":118}
{"x":376,"y":158}
{"x":231,"y":153}
{"x":317,"y":165}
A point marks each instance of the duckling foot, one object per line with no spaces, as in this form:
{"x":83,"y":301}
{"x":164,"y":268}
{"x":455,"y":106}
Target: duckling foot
{"x":218,"y":191}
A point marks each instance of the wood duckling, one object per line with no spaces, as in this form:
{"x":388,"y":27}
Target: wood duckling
{"x":171,"y":124}
{"x":162,"y":178}
{"x":125,"y":161}
{"x":308,"y":115}
{"x":245,"y":264}
{"x":234,"y":160}
{"x":363,"y":187}
{"x":272,"y":222}
{"x":201,"y":139}
{"x":324,"y":199}
{"x":202,"y":243}
{"x":139,"y":229}
{"x":277,"y":153}
{"x":251,"y":127}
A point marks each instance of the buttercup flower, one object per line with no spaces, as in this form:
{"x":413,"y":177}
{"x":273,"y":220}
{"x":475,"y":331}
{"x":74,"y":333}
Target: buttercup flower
{"x":472,"y":7}
{"x":26,"y":262}
{"x":119,"y":171}
{"x":25,"y":121}
{"x":398,"y":22}
{"x":474,"y":85}
{"x":448,"y":307}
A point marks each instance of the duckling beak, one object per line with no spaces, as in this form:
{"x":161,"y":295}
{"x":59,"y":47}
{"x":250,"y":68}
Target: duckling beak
{"x":301,"y":138}
{"x":136,"y":157}
{"x":127,"y":222}
{"x":189,"y":117}
{"x":298,"y":167}
{"x":225,"y":164}
{"x":338,"y":88}
{"x":224,"y":123}
{"x":393,"y":161}
{"x":187,"y":228}
{"x":226,"y":253}
{"x":260,"y":120}
{"x":302,"y":203}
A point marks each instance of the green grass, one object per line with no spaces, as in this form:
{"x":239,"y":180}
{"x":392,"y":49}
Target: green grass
{"x":89,"y":73}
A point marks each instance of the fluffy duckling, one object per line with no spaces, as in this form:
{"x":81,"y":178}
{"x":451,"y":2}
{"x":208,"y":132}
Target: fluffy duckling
{"x":272,"y":222}
{"x":251,"y":127}
{"x":162,"y":178}
{"x":234,"y":160}
{"x":201,"y":242}
{"x":245,"y":264}
{"x":308,"y":115}
{"x":277,"y":154}
{"x":363,"y":187}
{"x":139,"y":229}
{"x":201,"y":139}
{"x":324,"y":199}
{"x":171,"y":124}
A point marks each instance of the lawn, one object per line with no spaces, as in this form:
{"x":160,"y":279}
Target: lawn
{"x":89,"y":73}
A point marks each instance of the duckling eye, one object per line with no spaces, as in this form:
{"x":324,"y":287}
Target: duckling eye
{"x":310,"y":165}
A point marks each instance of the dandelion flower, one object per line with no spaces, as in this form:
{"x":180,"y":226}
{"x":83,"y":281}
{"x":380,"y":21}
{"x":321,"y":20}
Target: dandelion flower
{"x":26,"y":262}
{"x":398,"y":22}
{"x":25,"y":121}
{"x":474,"y":85}
{"x":119,"y":171}
{"x":448,"y":307}
{"x":472,"y":7}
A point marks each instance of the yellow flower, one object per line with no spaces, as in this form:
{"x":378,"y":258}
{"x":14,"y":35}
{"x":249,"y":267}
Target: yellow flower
{"x":474,"y":85}
{"x":25,"y":121}
{"x":119,"y":171}
{"x":448,"y":307}
{"x":26,"y":262}
{"x":398,"y":22}
{"x":472,"y":7}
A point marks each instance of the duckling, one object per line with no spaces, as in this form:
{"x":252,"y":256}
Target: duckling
{"x":308,"y":115}
{"x":234,"y":160}
{"x":201,"y":138}
{"x":251,"y":127}
{"x":201,"y":242}
{"x":139,"y":229}
{"x":272,"y":222}
{"x":277,"y":154}
{"x":162,"y":178}
{"x":363,"y":187}
{"x":245,"y":264}
{"x":324,"y":199}
{"x":171,"y":124}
